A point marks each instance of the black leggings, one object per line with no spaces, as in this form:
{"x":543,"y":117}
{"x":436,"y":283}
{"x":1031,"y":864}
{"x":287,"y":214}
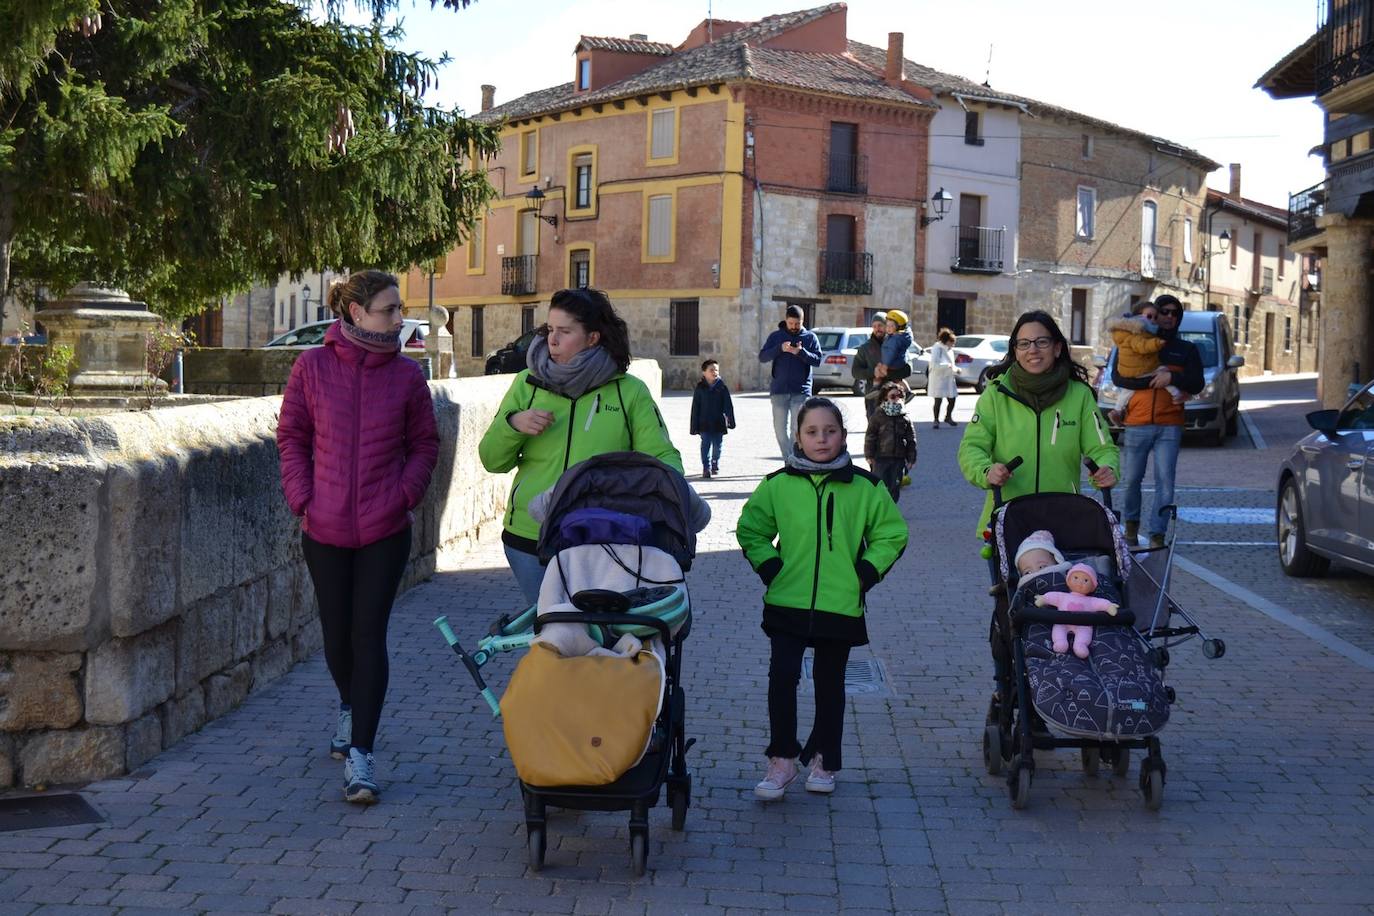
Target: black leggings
{"x":949,"y":409}
{"x":355,"y":588}
{"x":827,"y":673}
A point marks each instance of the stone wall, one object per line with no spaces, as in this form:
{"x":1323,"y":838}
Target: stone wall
{"x":253,"y":373}
{"x":154,"y":574}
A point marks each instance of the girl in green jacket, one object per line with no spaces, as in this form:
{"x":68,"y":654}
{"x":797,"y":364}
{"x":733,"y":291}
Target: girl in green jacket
{"x":572,"y":403}
{"x":820,"y":533}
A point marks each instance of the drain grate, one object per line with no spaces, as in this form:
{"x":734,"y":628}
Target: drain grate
{"x":34,"y":811}
{"x":862,"y":677}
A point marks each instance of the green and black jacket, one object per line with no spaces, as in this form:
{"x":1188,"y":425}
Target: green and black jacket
{"x":819,"y":542}
{"x":618,"y":416}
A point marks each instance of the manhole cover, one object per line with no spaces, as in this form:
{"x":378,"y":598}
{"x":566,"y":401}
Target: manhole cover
{"x":862,"y":677}
{"x":32,"y":812}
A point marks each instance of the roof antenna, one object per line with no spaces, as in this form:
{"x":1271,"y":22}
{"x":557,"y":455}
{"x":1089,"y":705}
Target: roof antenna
{"x":708,"y":22}
{"x":987,"y":77}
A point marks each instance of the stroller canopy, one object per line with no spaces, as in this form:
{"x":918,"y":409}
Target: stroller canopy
{"x":1080,"y":524}
{"x":628,"y":482}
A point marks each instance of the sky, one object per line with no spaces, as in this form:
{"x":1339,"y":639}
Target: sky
{"x":1183,"y":70}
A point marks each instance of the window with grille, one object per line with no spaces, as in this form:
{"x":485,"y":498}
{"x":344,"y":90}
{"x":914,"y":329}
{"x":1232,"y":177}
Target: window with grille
{"x":684,"y":328}
{"x":660,"y":243}
{"x":1078,"y":319}
{"x":582,"y":182}
{"x":580,"y":268}
{"x":478,"y":330}
{"x":662,"y":139}
{"x":526,"y":319}
{"x":529,"y":153}
{"x":1087,"y":212}
{"x":1235,"y":317}
{"x":1287,"y":333}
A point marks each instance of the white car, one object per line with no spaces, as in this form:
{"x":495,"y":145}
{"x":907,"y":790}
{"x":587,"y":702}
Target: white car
{"x":974,"y":354}
{"x":413,"y":333}
{"x":838,"y":347}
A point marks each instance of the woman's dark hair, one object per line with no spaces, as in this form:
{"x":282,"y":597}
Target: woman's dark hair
{"x":1042,"y":317}
{"x":360,"y":287}
{"x":593,"y":310}
{"x":945,"y":336}
{"x":821,"y":404}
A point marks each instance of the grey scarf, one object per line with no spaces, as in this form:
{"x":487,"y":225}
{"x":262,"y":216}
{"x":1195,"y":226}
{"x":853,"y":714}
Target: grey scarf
{"x":799,"y":461}
{"x":591,"y":368}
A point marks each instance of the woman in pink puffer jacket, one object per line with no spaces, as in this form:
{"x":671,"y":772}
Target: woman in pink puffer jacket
{"x":358,"y":444}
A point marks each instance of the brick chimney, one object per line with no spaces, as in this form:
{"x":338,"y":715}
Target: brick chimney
{"x":1235,"y":180}
{"x":488,"y":97}
{"x":895,"y":71}
{"x":639,"y":37}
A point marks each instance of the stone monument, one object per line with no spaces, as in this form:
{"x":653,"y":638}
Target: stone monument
{"x":108,"y":333}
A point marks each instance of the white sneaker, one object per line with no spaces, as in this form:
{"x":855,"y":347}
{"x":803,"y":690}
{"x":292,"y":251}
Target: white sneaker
{"x":820,"y":780}
{"x":343,"y":735}
{"x":782,"y":772}
{"x":360,"y":779}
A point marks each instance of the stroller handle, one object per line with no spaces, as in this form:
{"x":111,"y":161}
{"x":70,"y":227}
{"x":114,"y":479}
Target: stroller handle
{"x":603,"y":618}
{"x":1105,"y":491}
{"x":1012,"y":465}
{"x":473,"y":668}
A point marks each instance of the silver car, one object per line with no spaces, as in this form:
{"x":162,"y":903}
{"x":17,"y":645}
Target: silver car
{"x":838,"y":348}
{"x":1326,"y":491}
{"x":974,"y":354}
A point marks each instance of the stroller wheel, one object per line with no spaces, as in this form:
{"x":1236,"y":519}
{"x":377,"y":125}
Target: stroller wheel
{"x":536,"y":848}
{"x":1092,"y":757}
{"x":639,"y":852}
{"x":1121,"y":765}
{"x":679,"y":805}
{"x":1213,"y":648}
{"x":992,"y":749}
{"x":1152,"y":784}
{"x":1019,"y":783}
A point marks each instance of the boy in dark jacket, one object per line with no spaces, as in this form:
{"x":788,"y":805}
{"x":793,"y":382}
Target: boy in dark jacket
{"x":712,"y":415}
{"x":890,"y":442}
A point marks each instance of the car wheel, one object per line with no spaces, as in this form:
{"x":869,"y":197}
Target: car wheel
{"x":1294,"y":556}
{"x":1233,"y":422}
{"x":860,"y":387}
{"x":982,"y":382}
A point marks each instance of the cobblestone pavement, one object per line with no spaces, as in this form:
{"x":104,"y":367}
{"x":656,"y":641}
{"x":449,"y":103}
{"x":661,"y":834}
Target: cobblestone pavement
{"x":1268,"y":806}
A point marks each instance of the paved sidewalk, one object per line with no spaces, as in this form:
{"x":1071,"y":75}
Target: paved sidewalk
{"x":1269,"y":806}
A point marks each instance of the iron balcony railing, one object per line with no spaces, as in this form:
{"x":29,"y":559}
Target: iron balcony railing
{"x":1304,"y":208}
{"x":1345,"y":48}
{"x":518,"y":275}
{"x":1156,"y":260}
{"x":846,"y":273}
{"x":978,"y":249}
{"x":847,"y":174}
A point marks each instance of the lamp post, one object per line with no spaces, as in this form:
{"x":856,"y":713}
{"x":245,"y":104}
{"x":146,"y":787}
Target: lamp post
{"x":535,"y":198}
{"x":941,"y":199}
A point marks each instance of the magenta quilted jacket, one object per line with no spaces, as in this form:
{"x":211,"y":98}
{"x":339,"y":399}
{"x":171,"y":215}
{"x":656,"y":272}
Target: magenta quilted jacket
{"x":357,"y":440}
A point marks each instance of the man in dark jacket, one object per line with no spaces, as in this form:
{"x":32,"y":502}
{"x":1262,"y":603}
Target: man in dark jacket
{"x":793,"y":351}
{"x":866,"y":358}
{"x":1154,"y":422}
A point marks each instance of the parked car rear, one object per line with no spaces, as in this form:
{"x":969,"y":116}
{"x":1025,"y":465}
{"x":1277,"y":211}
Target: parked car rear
{"x":974,"y":354}
{"x":510,"y":358}
{"x":838,"y":346}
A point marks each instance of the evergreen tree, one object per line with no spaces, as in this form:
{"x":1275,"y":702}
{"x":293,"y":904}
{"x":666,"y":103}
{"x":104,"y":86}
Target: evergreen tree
{"x":182,"y":149}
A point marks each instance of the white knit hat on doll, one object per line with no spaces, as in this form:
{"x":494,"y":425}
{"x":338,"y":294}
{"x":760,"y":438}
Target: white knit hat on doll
{"x":1038,"y":540}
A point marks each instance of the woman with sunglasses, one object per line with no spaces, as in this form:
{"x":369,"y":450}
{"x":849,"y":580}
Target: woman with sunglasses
{"x":575,"y":401}
{"x":1038,"y":406}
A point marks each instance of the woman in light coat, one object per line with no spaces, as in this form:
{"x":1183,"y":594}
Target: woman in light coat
{"x":941,"y":383}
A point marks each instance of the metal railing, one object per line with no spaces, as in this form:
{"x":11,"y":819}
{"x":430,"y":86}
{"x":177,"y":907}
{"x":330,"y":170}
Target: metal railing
{"x":1156,"y":260}
{"x":1345,"y":49}
{"x":518,"y":275}
{"x":978,"y":249}
{"x":1304,"y":208}
{"x":846,"y":174}
{"x":845,"y":273}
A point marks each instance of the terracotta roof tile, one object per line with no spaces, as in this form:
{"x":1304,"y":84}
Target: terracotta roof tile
{"x":623,"y":45}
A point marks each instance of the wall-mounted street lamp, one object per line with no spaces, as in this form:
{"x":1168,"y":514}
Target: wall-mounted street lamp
{"x":941,"y":199}
{"x":535,"y":198}
{"x":1224,"y":241}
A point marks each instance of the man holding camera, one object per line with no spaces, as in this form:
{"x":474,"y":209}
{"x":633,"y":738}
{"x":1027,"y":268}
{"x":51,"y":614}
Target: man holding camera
{"x":793,"y":351}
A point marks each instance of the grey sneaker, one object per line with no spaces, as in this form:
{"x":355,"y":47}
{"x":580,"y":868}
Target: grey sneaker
{"x":360,"y":780}
{"x":343,"y":735}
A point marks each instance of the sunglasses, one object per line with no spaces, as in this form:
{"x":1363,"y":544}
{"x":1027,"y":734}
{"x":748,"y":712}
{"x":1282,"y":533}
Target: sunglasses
{"x":1170,"y":311}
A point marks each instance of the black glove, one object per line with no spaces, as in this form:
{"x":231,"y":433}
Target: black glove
{"x":768,"y":570}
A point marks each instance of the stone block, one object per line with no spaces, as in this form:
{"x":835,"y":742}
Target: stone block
{"x":281,"y":591}
{"x":205,"y":643}
{"x":271,"y":663}
{"x":182,"y":715}
{"x":49,"y":503}
{"x":308,"y":640}
{"x":74,"y":755}
{"x":226,"y":690}
{"x":127,"y":677}
{"x":39,"y":691}
{"x":250,"y":621}
{"x":144,"y":534}
{"x":303,"y":609}
{"x":142,"y":741}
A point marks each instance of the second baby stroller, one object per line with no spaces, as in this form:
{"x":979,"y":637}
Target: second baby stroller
{"x":1106,"y":705}
{"x":599,"y":694}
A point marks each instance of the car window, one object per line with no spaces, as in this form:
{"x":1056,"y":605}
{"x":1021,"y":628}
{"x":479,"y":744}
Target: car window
{"x":856,"y":341}
{"x":285,"y":340}
{"x":1206,"y":343}
{"x":998,"y":346}
{"x":968,"y":342}
{"x":310,"y":335}
{"x":830,"y":340}
{"x":1359,"y":413}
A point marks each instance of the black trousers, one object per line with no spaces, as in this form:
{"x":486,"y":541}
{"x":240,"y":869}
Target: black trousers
{"x":827,"y":674}
{"x":355,"y":589}
{"x":891,"y":471}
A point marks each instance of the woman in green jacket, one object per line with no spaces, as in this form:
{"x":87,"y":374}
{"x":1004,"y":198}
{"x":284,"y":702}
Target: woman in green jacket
{"x":572,"y":403}
{"x":1039,"y":407}
{"x":820,"y":533}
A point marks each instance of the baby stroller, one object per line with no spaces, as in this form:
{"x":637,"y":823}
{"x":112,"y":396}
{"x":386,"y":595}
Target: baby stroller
{"x":617,"y":537}
{"x":1115,"y":700}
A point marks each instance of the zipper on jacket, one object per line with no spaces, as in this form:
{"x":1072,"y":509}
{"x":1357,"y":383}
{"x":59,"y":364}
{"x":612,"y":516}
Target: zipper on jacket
{"x":510,"y":515}
{"x":357,"y":446}
{"x":567,"y":452}
{"x":1037,"y":451}
{"x":830,"y":521}
{"x":816,"y":569}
